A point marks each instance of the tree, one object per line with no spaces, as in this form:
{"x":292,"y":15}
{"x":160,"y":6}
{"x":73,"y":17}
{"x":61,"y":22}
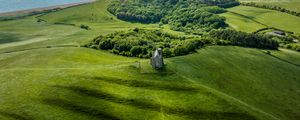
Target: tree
{"x":167,"y":52}
{"x":136,"y":50}
{"x":106,"y":44}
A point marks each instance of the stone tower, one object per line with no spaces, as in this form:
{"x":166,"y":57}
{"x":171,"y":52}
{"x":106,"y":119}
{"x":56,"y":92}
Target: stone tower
{"x":157,"y":61}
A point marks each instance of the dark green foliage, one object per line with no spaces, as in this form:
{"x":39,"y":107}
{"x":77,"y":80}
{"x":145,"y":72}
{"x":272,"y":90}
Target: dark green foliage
{"x":232,"y":37}
{"x":192,"y":16}
{"x":137,"y":12}
{"x":229,"y":4}
{"x":195,"y":20}
{"x":61,"y":23}
{"x":141,"y":43}
{"x":167,"y":52}
{"x":84,"y":27}
{"x":272,"y":7}
{"x":106,"y":45}
{"x":292,"y":46}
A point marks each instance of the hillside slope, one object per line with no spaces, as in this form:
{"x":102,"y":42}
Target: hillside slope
{"x":288,"y":4}
{"x":252,"y":76}
{"x":53,"y":83}
{"x":82,"y":83}
{"x":28,"y":33}
{"x":239,"y":18}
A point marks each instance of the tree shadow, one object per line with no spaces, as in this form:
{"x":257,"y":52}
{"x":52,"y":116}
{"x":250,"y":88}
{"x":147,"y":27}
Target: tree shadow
{"x":252,"y":18}
{"x":16,"y":116}
{"x":147,"y":84}
{"x":74,"y":107}
{"x":284,"y":60}
{"x":145,"y":105}
{"x":8,"y":38}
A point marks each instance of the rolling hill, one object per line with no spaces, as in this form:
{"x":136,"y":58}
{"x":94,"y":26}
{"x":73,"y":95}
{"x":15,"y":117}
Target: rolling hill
{"x":46,"y":75}
{"x":250,"y":19}
{"x":288,"y":4}
{"x":87,"y":84}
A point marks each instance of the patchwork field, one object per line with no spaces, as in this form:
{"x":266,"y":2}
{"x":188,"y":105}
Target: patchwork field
{"x":288,"y":4}
{"x":250,"y":19}
{"x":44,"y":74}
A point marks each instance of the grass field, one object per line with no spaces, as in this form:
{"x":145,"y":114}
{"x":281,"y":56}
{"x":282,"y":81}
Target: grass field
{"x":250,"y":19}
{"x":47,"y":33}
{"x":82,"y":83}
{"x":288,"y":4}
{"x":242,"y":23}
{"x":53,"y":83}
{"x":267,"y":79}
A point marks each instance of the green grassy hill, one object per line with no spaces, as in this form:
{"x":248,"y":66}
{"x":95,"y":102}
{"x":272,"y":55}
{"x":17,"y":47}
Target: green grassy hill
{"x":80,"y":83}
{"x":242,"y":23}
{"x":28,"y":33}
{"x":41,"y":80}
{"x":250,"y":19}
{"x":262,"y":80}
{"x":288,"y":4}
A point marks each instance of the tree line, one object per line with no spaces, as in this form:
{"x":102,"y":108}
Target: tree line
{"x":271,"y":7}
{"x":292,"y":46}
{"x":233,"y":37}
{"x":141,"y":43}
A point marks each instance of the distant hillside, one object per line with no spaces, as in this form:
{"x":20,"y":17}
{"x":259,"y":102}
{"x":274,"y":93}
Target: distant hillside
{"x":250,"y":19}
{"x":288,"y":4}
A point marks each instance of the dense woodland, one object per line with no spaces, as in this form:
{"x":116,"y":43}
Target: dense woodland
{"x":195,"y":20}
{"x":141,"y":43}
{"x":191,"y":16}
{"x":232,"y":37}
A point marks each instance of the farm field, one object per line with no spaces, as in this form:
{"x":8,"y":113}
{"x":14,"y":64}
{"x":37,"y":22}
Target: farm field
{"x":239,"y":17}
{"x":242,"y":23}
{"x":46,"y":74}
{"x":288,"y":4}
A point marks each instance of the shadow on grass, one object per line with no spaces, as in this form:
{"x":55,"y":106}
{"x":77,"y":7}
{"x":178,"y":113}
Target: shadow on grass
{"x":74,"y":107}
{"x":248,"y":17}
{"x":8,"y":38}
{"x":147,"y":84}
{"x":284,"y":60}
{"x":15,"y":116}
{"x":145,"y":105}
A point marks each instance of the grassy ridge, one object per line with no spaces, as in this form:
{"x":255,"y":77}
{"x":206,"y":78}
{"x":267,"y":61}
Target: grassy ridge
{"x":239,"y":18}
{"x":288,"y":4}
{"x":82,"y":83}
{"x":71,"y":84}
{"x":267,"y":79}
{"x":78,"y":83}
{"x":93,"y":13}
